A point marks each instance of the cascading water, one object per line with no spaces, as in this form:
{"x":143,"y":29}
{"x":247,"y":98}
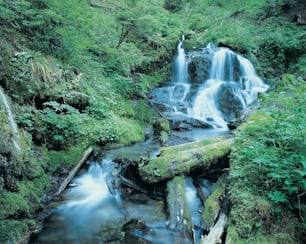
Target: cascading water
{"x":212,"y":101}
{"x":181,"y":84}
{"x":89,"y":208}
{"x":10,"y":119}
{"x":176,"y":93}
{"x":232,"y":85}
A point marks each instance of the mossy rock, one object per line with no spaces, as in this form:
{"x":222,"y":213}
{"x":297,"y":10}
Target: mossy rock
{"x":161,"y":125}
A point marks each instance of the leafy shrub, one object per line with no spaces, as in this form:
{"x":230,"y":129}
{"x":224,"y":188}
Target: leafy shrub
{"x":269,"y":157}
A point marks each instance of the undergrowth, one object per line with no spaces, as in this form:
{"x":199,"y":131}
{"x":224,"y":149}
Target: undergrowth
{"x":268,"y":165}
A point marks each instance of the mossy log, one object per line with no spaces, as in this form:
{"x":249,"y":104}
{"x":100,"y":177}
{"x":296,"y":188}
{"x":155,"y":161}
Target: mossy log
{"x":181,"y":159}
{"x":179,"y":214}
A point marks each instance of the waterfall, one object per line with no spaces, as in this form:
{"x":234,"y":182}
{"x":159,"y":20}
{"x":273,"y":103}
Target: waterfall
{"x":205,"y":107}
{"x":10,"y":119}
{"x":232,"y":85}
{"x":181,"y":86}
{"x":181,"y":66}
{"x":219,"y":83}
{"x":222,"y":67}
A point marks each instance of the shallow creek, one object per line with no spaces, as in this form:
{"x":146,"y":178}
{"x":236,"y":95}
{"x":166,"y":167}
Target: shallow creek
{"x":97,"y":208}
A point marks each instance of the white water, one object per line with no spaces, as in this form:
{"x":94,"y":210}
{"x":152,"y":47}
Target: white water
{"x":90,"y":188}
{"x":181,"y":87}
{"x":11,"y":120}
{"x":205,"y":106}
{"x":195,"y":207}
{"x":181,"y":65}
{"x":222,"y":74}
{"x":89,"y":206}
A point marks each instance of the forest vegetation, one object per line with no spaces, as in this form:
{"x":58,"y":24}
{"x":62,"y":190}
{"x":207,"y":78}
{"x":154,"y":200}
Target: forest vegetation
{"x":77,"y":73}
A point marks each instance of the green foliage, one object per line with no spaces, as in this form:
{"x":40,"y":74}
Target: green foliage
{"x":243,"y":26}
{"x":268,"y":158}
{"x":173,"y":5}
{"x":34,"y":20}
{"x":13,"y":231}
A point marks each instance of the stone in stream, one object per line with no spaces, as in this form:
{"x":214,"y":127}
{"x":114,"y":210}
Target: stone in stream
{"x":181,"y":121}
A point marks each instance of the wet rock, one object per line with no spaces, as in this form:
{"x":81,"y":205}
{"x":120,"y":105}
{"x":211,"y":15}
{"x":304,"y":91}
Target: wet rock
{"x":180,"y":121}
{"x":199,"y":67}
{"x":228,"y":102}
{"x":8,"y":173}
{"x":240,"y":117}
{"x":134,"y":230}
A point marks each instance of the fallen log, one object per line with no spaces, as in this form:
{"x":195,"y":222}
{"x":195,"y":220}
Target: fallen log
{"x":179,"y":214}
{"x":179,"y":161}
{"x":215,"y":234}
{"x":73,"y":172}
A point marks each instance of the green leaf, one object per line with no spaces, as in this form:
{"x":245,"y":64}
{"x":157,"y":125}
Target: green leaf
{"x":277,"y":196}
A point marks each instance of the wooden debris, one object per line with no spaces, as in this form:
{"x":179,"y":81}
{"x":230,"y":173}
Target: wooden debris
{"x":73,"y":172}
{"x":215,"y":234}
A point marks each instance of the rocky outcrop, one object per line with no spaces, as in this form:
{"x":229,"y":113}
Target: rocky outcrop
{"x":228,"y":103}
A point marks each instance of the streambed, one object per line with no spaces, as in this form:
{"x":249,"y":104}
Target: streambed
{"x":98,"y":208}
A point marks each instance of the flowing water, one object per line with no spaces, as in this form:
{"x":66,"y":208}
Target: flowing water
{"x":10,"y":119}
{"x":96,"y":210}
{"x":242,"y":84}
{"x":231,"y":85}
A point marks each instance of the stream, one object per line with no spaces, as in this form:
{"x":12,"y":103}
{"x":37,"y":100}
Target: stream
{"x":107,"y":202}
